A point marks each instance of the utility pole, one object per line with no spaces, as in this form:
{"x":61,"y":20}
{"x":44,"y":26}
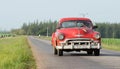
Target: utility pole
{"x":47,"y":31}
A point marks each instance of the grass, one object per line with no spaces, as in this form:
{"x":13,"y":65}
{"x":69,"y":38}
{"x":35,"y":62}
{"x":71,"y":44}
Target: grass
{"x":110,"y":43}
{"x":6,"y":35}
{"x":15,"y":53}
{"x":107,"y":43}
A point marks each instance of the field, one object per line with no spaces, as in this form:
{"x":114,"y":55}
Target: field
{"x":15,"y":53}
{"x":110,"y":43}
{"x":6,"y":35}
{"x":107,"y":43}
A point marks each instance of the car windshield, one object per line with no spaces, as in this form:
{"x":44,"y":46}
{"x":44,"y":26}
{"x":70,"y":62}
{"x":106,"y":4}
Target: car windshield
{"x":70,"y":24}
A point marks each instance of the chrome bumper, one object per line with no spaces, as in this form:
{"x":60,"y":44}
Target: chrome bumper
{"x":79,"y":44}
{"x":78,"y":47}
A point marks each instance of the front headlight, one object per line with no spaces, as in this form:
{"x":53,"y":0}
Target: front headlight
{"x":60,"y":36}
{"x":97,"y":36}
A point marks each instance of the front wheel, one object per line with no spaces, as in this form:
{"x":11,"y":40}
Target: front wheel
{"x":55,"y":51}
{"x":97,"y":52}
{"x":60,"y":52}
{"x":89,"y":52}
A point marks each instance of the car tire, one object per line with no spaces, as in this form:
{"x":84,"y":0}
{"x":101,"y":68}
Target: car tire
{"x":55,"y":51}
{"x":60,"y":52}
{"x":89,"y":52}
{"x":97,"y":52}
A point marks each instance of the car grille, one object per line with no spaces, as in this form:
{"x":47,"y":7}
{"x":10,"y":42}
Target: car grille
{"x":82,"y":41}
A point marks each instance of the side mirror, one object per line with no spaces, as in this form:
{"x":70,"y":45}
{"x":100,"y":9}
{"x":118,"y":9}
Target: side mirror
{"x":94,"y":27}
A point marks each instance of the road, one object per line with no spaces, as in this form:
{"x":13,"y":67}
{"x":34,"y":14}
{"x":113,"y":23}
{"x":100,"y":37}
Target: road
{"x":45,"y":59}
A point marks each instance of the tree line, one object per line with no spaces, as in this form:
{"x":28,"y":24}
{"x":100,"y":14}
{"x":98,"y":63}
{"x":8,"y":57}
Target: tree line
{"x":36,"y":28}
{"x":107,"y":30}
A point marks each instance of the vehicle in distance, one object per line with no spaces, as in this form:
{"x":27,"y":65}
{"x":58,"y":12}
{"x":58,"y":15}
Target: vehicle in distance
{"x":76,"y":34}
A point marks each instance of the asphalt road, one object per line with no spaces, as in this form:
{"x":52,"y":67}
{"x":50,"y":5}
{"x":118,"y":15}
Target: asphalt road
{"x":45,"y":58}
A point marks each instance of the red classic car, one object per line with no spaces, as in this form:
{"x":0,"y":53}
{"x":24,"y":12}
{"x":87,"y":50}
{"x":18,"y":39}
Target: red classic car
{"x":76,"y":34}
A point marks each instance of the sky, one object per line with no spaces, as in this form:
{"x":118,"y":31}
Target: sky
{"x":13,"y":13}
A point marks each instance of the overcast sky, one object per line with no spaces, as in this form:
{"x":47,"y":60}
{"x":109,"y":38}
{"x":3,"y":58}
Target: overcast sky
{"x":13,"y":13}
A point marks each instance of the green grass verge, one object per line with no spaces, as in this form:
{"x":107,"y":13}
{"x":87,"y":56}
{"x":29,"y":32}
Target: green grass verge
{"x":110,"y":43}
{"x":15,"y":53}
{"x":107,"y":43}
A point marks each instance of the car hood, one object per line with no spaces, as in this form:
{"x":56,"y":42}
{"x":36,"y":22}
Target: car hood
{"x":76,"y":32}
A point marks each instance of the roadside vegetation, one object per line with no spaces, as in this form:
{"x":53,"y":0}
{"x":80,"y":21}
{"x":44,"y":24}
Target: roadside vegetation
{"x":15,"y":53}
{"x":6,"y":34}
{"x":111,"y":43}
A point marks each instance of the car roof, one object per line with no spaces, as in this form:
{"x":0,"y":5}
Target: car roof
{"x":73,"y":18}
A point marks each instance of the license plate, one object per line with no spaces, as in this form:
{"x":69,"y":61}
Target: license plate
{"x":81,"y":46}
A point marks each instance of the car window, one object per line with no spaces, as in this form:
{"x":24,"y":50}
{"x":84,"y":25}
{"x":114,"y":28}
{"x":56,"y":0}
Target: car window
{"x":84,"y":23}
{"x":80,"y":24}
{"x":68,"y":24}
{"x":76,"y":23}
